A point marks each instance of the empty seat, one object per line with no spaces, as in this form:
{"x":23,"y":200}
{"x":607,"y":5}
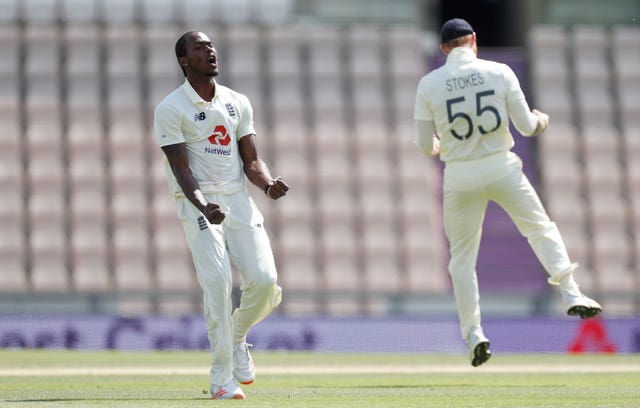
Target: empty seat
{"x":338,"y":237}
{"x":589,"y":50}
{"x":159,"y":12}
{"x":336,"y":200}
{"x":161,"y":58}
{"x":297,"y":205}
{"x":87,"y":168}
{"x":285,"y":44}
{"x":559,"y":140}
{"x":325,"y":58}
{"x":556,"y":173}
{"x":595,"y":103}
{"x":90,"y":255}
{"x":11,"y":179}
{"x":131,"y":262}
{"x":42,"y":51}
{"x":82,"y":56}
{"x":287,"y":99}
{"x":172,"y":258}
{"x":556,"y":101}
{"x":603,"y":171}
{"x":88,"y":202}
{"x":365,"y":52}
{"x":48,"y":255}
{"x":408,"y":58}
{"x":242,"y":56}
{"x":374,"y":163}
{"x":377,"y":202}
{"x":341,"y":272}
{"x":564,"y":203}
{"x":383,"y":274}
{"x":297,"y":272}
{"x":427,"y":272}
{"x":379,"y":237}
{"x":297,"y":239}
{"x":626,"y":53}
{"x":12,"y":271}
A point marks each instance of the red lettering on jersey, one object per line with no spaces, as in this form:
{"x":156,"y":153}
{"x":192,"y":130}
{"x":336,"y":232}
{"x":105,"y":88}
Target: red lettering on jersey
{"x":220,"y":136}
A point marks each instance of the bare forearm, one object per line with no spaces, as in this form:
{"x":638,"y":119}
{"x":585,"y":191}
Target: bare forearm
{"x":179,"y":162}
{"x":258,"y":173}
{"x":190,"y":187}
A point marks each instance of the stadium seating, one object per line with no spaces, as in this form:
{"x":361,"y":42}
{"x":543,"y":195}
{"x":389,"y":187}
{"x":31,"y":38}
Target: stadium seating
{"x":588,"y":163}
{"x":87,"y":207}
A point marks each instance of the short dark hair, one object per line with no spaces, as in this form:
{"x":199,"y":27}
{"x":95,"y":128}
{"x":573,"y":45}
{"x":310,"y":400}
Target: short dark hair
{"x":181,"y":48}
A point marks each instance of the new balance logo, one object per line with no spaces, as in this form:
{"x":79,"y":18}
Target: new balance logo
{"x":202,"y":223}
{"x":199,"y":116}
{"x":230,"y":109}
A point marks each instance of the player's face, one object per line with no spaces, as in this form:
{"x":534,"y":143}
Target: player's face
{"x":202,"y":58}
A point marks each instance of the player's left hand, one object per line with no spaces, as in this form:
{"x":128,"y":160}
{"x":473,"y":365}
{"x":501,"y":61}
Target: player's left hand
{"x":277,"y":188}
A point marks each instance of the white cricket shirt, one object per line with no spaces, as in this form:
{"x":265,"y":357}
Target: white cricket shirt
{"x":211,"y":131}
{"x":470,"y":101}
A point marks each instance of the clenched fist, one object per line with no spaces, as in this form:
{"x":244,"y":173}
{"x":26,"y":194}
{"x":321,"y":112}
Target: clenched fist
{"x":277,"y":188}
{"x":213,"y":213}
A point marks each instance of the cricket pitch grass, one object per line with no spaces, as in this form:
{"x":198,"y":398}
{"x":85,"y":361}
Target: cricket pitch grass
{"x":295,"y":379}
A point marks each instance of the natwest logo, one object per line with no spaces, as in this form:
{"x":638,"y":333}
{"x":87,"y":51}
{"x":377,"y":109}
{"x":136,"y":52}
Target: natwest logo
{"x":220,"y":136}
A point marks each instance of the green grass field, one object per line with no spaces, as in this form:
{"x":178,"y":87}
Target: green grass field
{"x":180,"y":379}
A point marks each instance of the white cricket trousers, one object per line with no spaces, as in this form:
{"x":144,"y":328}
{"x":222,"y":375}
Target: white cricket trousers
{"x":468,"y":187}
{"x":241,"y":239}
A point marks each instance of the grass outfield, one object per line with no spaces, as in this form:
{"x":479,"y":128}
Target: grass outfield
{"x":179,"y":379}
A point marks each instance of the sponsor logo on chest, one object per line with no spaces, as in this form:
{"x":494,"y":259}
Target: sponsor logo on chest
{"x":219,"y":139}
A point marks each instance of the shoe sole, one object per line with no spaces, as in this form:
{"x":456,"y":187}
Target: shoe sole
{"x":221,"y":397}
{"x":235,"y":397}
{"x":247,"y":382}
{"x":584,"y":312}
{"x":481,"y":354}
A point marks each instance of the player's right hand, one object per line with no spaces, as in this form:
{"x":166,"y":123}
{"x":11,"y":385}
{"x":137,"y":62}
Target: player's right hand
{"x":213,"y":213}
{"x":543,"y":121}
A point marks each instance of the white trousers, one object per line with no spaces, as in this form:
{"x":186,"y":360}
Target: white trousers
{"x":468,"y":188}
{"x":241,"y":239}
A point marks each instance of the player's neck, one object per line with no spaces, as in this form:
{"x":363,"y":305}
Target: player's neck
{"x":205,"y":86}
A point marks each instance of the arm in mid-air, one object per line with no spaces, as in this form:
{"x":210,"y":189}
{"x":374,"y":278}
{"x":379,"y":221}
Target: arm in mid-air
{"x":426,"y":139}
{"x":179,"y":162}
{"x":257,"y":171}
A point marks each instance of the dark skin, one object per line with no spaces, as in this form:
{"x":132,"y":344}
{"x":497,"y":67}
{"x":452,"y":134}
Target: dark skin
{"x":201,"y":67}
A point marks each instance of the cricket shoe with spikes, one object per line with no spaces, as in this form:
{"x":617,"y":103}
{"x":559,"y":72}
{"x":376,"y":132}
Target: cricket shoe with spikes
{"x":243,"y":369}
{"x":227,"y":391}
{"x":478,"y":346}
{"x":578,"y":304}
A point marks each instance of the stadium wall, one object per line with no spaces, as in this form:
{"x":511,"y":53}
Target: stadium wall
{"x":398,"y":335}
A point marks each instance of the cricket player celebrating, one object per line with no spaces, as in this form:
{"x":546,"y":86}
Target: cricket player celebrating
{"x":462,"y":112}
{"x":206,"y":132}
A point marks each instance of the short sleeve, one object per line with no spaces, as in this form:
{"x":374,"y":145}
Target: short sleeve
{"x":167,"y":124}
{"x":422,"y":111}
{"x":245,"y":124}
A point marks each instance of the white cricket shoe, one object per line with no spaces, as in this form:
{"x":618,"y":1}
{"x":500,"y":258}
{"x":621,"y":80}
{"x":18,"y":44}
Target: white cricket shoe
{"x":578,"y":304}
{"x":478,"y":346}
{"x":227,"y":391}
{"x":243,"y":368}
